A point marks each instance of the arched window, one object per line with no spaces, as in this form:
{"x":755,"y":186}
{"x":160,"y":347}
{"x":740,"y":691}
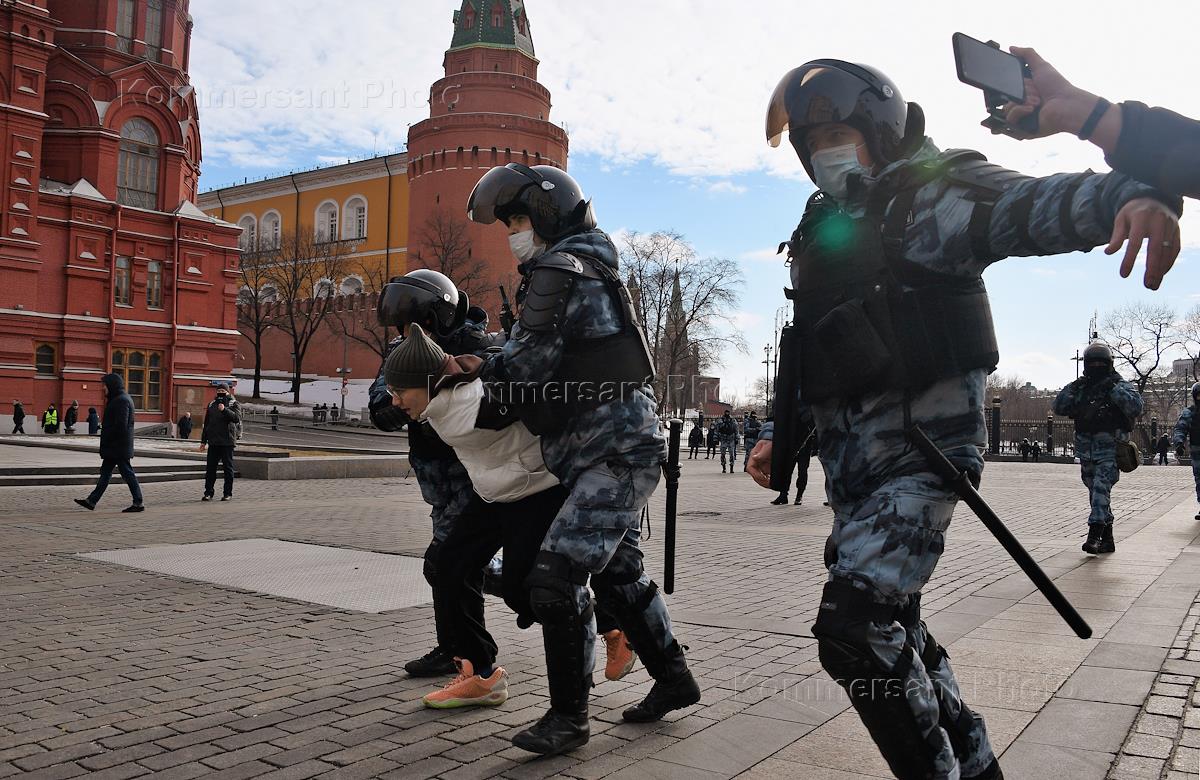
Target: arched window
{"x":245,"y":296}
{"x":154,"y":29}
{"x":248,"y":241}
{"x":268,"y":294}
{"x":270,"y":230}
{"x":327,"y":221}
{"x":45,"y":359}
{"x":468,"y":17}
{"x":154,"y":284}
{"x":137,"y":166}
{"x":352,"y":285}
{"x":121,"y":283}
{"x":497,"y":13}
{"x":323,"y":289}
{"x":356,"y":218}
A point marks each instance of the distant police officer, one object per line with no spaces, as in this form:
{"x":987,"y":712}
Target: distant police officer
{"x":1188,"y":430}
{"x":892,"y":329}
{"x":577,"y":370}
{"x":1103,"y":406}
{"x":431,"y":300}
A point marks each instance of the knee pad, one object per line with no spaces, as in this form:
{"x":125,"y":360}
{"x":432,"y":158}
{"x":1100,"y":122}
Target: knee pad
{"x":429,"y":566}
{"x":553,"y":588}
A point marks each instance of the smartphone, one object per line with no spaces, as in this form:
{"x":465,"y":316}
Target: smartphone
{"x":983,"y":65}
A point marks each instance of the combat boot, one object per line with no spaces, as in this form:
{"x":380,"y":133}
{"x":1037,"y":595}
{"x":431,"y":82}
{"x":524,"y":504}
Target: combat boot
{"x":1107,"y":545}
{"x":556,"y":732}
{"x":666,"y":695}
{"x":991,"y":773}
{"x":1094,"y":539}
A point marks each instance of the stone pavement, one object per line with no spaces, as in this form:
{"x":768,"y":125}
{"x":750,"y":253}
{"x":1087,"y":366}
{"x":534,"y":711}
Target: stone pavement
{"x":114,"y":672}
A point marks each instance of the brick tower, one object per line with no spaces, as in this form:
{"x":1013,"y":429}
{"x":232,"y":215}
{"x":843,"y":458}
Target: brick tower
{"x":488,"y":110}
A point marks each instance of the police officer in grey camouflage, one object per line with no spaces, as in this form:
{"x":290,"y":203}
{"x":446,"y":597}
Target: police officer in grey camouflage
{"x":892,"y":329}
{"x":577,"y":371}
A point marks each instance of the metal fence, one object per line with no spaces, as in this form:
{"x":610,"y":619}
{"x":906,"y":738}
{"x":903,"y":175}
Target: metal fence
{"x":1056,"y":435}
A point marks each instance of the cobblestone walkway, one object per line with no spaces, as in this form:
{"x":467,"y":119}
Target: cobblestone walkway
{"x":113,"y":672}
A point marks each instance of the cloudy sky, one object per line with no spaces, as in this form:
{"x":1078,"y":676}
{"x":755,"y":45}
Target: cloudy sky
{"x":664,"y":103}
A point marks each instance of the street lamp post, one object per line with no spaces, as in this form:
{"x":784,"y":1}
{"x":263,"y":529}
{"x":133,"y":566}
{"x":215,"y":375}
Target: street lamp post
{"x":767,"y":363}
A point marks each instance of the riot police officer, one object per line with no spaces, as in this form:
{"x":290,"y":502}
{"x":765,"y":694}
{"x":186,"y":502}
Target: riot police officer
{"x":1188,"y":430}
{"x":1103,"y":406}
{"x":577,"y":369}
{"x":433,"y":301}
{"x":892,"y":330}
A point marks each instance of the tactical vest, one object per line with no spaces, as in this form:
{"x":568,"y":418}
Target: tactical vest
{"x":592,"y":371}
{"x":868,"y":321}
{"x":1097,"y":414}
{"x":1194,"y":433}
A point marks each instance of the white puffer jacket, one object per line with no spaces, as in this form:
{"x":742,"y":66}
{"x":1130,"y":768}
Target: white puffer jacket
{"x":504,"y":465}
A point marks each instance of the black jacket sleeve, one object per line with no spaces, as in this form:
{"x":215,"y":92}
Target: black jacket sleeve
{"x":1158,"y":147}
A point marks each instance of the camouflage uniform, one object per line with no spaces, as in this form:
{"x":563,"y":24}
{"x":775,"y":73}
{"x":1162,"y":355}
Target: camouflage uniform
{"x":891,"y":513}
{"x":1187,"y":430}
{"x":1098,"y":451}
{"x":608,"y":456}
{"x":728,"y":443}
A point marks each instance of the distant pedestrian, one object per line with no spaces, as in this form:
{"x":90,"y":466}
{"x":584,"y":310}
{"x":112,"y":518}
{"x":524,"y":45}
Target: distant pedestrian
{"x":334,"y":412}
{"x":116,"y":444}
{"x":274,"y":418}
{"x":695,"y":440}
{"x":218,"y":433}
{"x":727,"y":432}
{"x":1035,"y":450}
{"x":712,"y":441}
{"x":18,"y":417}
{"x":316,"y":414}
{"x":71,"y":417}
{"x":750,"y":430}
{"x":50,"y":420}
{"x":324,"y":412}
{"x":185,"y":426}
{"x":1164,"y":446}
{"x":93,"y":421}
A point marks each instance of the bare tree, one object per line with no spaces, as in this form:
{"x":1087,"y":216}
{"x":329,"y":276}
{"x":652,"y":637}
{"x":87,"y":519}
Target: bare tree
{"x":355,"y":319}
{"x":443,"y":244}
{"x":302,"y":271}
{"x":1140,"y":336}
{"x":686,"y":304}
{"x":1189,"y":342}
{"x":255,"y":306}
{"x":1019,"y":400}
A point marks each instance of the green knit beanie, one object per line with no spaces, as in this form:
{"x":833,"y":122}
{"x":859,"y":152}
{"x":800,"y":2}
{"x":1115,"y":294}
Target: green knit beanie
{"x":414,"y":361}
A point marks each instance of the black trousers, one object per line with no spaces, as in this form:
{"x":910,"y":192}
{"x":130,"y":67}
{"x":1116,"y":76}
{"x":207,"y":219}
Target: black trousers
{"x":479,"y":532}
{"x":694,"y":452}
{"x":219,"y":454}
{"x":803,"y":458}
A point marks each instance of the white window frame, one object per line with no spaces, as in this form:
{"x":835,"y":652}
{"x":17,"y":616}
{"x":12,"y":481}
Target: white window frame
{"x":273,"y":220}
{"x":325,"y":221}
{"x":352,"y":278}
{"x":249,"y":238}
{"x":356,"y":223}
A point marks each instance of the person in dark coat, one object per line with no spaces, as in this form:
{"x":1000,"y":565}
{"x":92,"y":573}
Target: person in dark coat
{"x":50,"y":420}
{"x":71,"y":417}
{"x":1164,"y":446}
{"x":116,"y":444}
{"x":695,"y":440}
{"x":185,"y":426}
{"x":18,"y":417}
{"x":712,"y":441}
{"x":218,"y":434}
{"x":274,"y":418}
{"x":93,"y":421}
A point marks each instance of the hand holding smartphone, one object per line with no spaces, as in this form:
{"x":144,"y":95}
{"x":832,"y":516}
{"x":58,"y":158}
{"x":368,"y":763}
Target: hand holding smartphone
{"x":1001,"y":76}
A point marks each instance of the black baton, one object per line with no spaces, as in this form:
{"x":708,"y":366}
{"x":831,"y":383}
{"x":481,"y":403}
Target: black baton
{"x":960,"y":483}
{"x":671,"y":469}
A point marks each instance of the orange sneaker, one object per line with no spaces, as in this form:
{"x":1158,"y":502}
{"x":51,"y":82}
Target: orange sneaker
{"x":470,"y":690}
{"x":621,"y":657}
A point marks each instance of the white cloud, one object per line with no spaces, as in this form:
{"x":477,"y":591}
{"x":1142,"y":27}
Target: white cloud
{"x":726,"y":186}
{"x":768,"y":255}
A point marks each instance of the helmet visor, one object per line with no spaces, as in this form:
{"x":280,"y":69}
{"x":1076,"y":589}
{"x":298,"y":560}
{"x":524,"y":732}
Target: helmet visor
{"x":411,"y":300}
{"x":498,"y":188}
{"x":815,"y":94}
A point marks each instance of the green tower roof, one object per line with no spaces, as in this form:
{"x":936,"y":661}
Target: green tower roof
{"x":496,"y":24}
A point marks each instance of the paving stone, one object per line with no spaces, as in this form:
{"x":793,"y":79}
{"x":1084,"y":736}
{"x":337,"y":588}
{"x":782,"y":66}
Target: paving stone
{"x":1148,"y":746}
{"x":1093,"y":726}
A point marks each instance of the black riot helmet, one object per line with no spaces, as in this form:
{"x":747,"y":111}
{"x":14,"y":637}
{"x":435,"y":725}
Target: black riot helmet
{"x":1097,"y":360}
{"x":825,"y":91}
{"x":1196,"y":393}
{"x":425,"y":297}
{"x":553,"y":201}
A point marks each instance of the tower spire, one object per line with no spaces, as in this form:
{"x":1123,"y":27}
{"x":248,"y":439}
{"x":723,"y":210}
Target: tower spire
{"x":492,"y":24}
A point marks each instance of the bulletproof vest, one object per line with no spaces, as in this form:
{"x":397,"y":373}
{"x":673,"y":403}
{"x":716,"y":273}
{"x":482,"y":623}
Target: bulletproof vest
{"x":1097,"y":413}
{"x":865,"y":319}
{"x":1194,"y":433}
{"x":592,"y":371}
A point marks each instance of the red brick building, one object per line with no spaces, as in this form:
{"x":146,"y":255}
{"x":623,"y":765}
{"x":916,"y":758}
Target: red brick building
{"x":105,"y":263}
{"x":488,"y":110}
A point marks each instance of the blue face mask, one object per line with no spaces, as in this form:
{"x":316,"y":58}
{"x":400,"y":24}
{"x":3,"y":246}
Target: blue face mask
{"x":831,"y":167}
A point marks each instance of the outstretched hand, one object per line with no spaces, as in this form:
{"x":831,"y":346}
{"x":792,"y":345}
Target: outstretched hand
{"x":1064,"y":107}
{"x":1146,"y":219}
{"x":759,"y":465}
